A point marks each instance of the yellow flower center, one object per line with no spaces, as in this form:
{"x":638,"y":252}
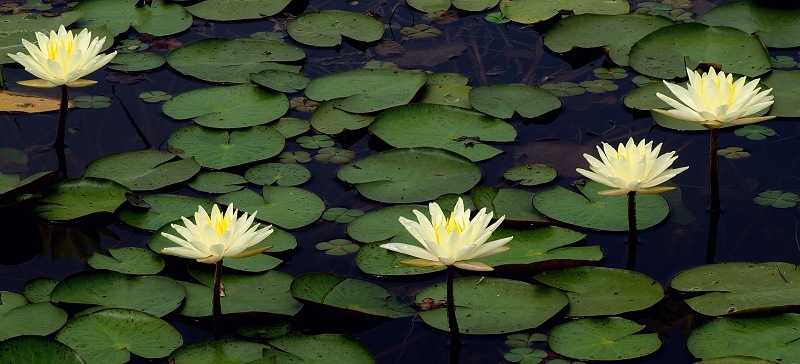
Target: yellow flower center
{"x":451,"y":224}
{"x":220,"y":224}
{"x":54,"y":45}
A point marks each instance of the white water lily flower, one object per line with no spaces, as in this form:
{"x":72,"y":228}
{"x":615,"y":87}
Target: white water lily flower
{"x":452,"y":241}
{"x":62,"y":58}
{"x":211,"y":238}
{"x":713,"y":99}
{"x":631,"y":167}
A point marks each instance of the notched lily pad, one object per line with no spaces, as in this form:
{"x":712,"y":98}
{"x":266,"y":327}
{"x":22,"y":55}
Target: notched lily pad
{"x":79,"y":197}
{"x":531,"y":174}
{"x":220,"y":149}
{"x":327,"y":27}
{"x":610,"y":338}
{"x":143,"y":170}
{"x":37,"y":349}
{"x":228,"y":10}
{"x":348,"y":296}
{"x":773,"y":338}
{"x":528,"y":12}
{"x":287,"y":207}
{"x":228,"y":107}
{"x":129,"y":260}
{"x":503,"y":100}
{"x":541,"y":248}
{"x":367,"y":90}
{"x":516,"y":205}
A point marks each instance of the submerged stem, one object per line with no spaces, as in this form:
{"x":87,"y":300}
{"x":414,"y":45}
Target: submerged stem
{"x":714,"y":171}
{"x":215,"y":303}
{"x":62,"y":126}
{"x":633,"y":237}
{"x":455,"y":336}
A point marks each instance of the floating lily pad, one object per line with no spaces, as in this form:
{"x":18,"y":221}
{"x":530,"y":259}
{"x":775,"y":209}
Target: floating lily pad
{"x":41,"y":318}
{"x":754,"y":132}
{"x":503,"y":100}
{"x":280,"y":80}
{"x":773,"y":338}
{"x":217,"y":182}
{"x":380,"y":262}
{"x":220,"y":149}
{"x":223,"y":60}
{"x":527,"y":12}
{"x":219,"y":351}
{"x":341,"y":215}
{"x":315,"y":141}
{"x":446,"y":127}
{"x":541,"y":248}
{"x":777,"y":199}
{"x":367,"y":90}
{"x":429,"y":6}
{"x":668,"y":51}
{"x":287,"y":207}
{"x":329,"y":119}
{"x":295,"y":157}
{"x":617,"y":33}
{"x":777,"y":27}
{"x":486,"y":305}
{"x":338,"y":247}
{"x":92,"y":102}
{"x":593,"y":211}
{"x":129,"y":260}
{"x":36,"y":349}
{"x":79,"y":197}
{"x":531,"y":174}
{"x":143,"y":170}
{"x":785,"y":87}
{"x":154,"y":96}
{"x":564,"y":89}
{"x":158,"y":18}
{"x":228,"y":107}
{"x":11,"y":185}
{"x":610,"y":338}
{"x":38,"y":289}
{"x":350,"y":295}
{"x":310,"y":349}
{"x":327,"y":27}
{"x":155,"y":295}
{"x":601,"y":291}
{"x":111,"y":335}
{"x":164,"y":208}
{"x":227,"y":10}
{"x":740,"y":287}
{"x":15,"y":27}
{"x":385,"y":176}
{"x":515,"y":205}
{"x":136,"y":62}
{"x":445,"y":94}
{"x":733,"y":152}
{"x":278,"y":173}
{"x":291,"y":127}
{"x":382,"y":224}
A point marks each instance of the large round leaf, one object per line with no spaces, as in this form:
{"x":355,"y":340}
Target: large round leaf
{"x":41,"y":318}
{"x":773,"y":338}
{"x":162,"y":209}
{"x":136,"y":62}
{"x":280,"y":80}
{"x":777,"y":26}
{"x":380,"y":262}
{"x":503,"y":100}
{"x":36,"y":349}
{"x":37,"y":289}
{"x":323,"y":348}
{"x":327,"y":27}
{"x":668,"y":51}
{"x":329,"y":119}
{"x":611,"y":338}
{"x":110,"y":336}
{"x":542,"y":248}
{"x":601,"y":291}
{"x":143,"y":170}
{"x":593,"y":211}
{"x":349,"y":295}
{"x":80,"y":197}
{"x":226,"y":10}
{"x":155,"y":295}
{"x":223,"y":60}
{"x":367,"y":90}
{"x":225,"y":351}
{"x":128,"y":260}
{"x":217,"y":182}
{"x":220,"y":149}
{"x":446,"y":127}
{"x":278,"y":173}
{"x":786,"y":89}
{"x":228,"y":107}
{"x":486,"y":305}
{"x":386,"y":176}
{"x":740,"y":287}
{"x":158,"y":18}
{"x":287,"y":207}
{"x":515,"y":205}
{"x":534,"y":11}
{"x":382,"y":224}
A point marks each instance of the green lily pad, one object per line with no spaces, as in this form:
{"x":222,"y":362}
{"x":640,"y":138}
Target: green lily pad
{"x":129,"y":260}
{"x":733,"y":153}
{"x":531,"y":174}
{"x":754,"y":132}
{"x":136,"y":62}
{"x":564,"y":89}
{"x":601,"y":291}
{"x":92,"y":102}
{"x":220,"y":149}
{"x":777,"y":27}
{"x":447,"y":78}
{"x":15,"y":27}
{"x":111,"y":335}
{"x":310,"y":349}
{"x":143,"y":170}
{"x":227,"y":10}
{"x":593,"y":211}
{"x":227,"y":351}
{"x":367,"y":90}
{"x":599,"y":86}
{"x":334,"y":155}
{"x":380,"y":262}
{"x":609,"y":338}
{"x":668,"y":51}
{"x":773,"y":338}
{"x":486,"y":305}
{"x":617,"y":33}
{"x":430,"y":6}
{"x":287,"y":207}
{"x":445,"y":127}
{"x":228,"y":107}
{"x":38,"y":289}
{"x":158,"y":18}
{"x":382,"y":224}
{"x":785,"y":87}
{"x":79,"y":197}
{"x":349,"y":296}
{"x":326,"y":28}
{"x":154,"y":96}
{"x":341,"y":215}
{"x":777,"y":199}
{"x":729,"y":288}
{"x":155,"y":295}
{"x":223,"y":60}
{"x":515,"y":205}
{"x":385,"y":176}
{"x":279,"y":173}
{"x":338,"y":247}
{"x":217,"y":182}
{"x":315,"y":141}
{"x":281,"y":81}
{"x":164,"y":208}
{"x":329,"y":119}
{"x":503,"y":100}
{"x":10,"y":301}
{"x":444,"y":94}
{"x":36,"y":349}
{"x":541,"y":248}
{"x":40,"y":318}
{"x":528,"y":12}
{"x":291,"y":127}
{"x":11,"y":185}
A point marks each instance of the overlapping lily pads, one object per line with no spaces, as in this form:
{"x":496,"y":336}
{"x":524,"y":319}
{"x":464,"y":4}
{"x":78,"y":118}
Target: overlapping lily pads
{"x":226,"y":10}
{"x":786,"y":89}
{"x":220,"y":149}
{"x":610,"y":338}
{"x":502,"y":100}
{"x":515,"y":205}
{"x":349,"y":296}
{"x":773,"y":338}
{"x":541,"y":248}
{"x":158,"y":18}
{"x":327,"y":27}
{"x":468,"y":5}
{"x":328,"y":346}
{"x":130,"y":260}
{"x":220,"y":351}
{"x":386,"y":177}
{"x":143,"y":170}
{"x":329,"y":119}
{"x":733,"y":288}
{"x":446,"y":127}
{"x":37,"y":349}
{"x":40,"y":318}
{"x":287,"y":207}
{"x":527,"y":11}
{"x":367,"y":90}
{"x":278,"y":173}
{"x":280,"y":80}
{"x":228,"y":107}
{"x":380,"y":262}
{"x":80,"y":197}
{"x":776,"y":26}
{"x":162,"y":209}
{"x":382,"y":224}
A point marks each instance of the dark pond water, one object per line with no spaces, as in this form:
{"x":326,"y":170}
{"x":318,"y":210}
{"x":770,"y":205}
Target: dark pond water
{"x":487,"y":53}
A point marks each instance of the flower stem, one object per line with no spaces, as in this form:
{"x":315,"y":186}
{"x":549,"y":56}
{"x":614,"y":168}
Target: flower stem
{"x":714,"y":171}
{"x":216,"y":307}
{"x":62,"y":125}
{"x":455,"y":336}
{"x":633,"y":238}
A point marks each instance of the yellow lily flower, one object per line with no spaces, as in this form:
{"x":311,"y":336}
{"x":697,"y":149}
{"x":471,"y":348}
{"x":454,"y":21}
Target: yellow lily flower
{"x":713,"y":99}
{"x":211,"y":238}
{"x":62,"y":58}
{"x":631,"y":167}
{"x":451,"y":241}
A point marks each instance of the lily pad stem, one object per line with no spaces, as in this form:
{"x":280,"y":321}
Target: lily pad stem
{"x":633,"y":238}
{"x":455,"y":336}
{"x":714,"y":171}
{"x":215,"y":303}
